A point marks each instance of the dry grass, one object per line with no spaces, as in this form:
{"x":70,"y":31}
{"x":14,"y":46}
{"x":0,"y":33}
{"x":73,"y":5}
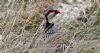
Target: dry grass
{"x":20,"y":22}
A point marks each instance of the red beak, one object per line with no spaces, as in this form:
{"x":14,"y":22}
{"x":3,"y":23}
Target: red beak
{"x":55,"y":11}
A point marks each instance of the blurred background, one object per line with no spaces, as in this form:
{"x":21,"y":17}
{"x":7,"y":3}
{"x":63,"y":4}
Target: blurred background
{"x":21,"y":26}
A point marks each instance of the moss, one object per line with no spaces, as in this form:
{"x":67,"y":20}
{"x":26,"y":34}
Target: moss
{"x":37,"y":21}
{"x":85,"y":50}
{"x":97,"y":22}
{"x":26,"y":52}
{"x":34,"y":23}
{"x":98,"y":13}
{"x":61,"y":6}
{"x":28,"y":28}
{"x":26,"y":0}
